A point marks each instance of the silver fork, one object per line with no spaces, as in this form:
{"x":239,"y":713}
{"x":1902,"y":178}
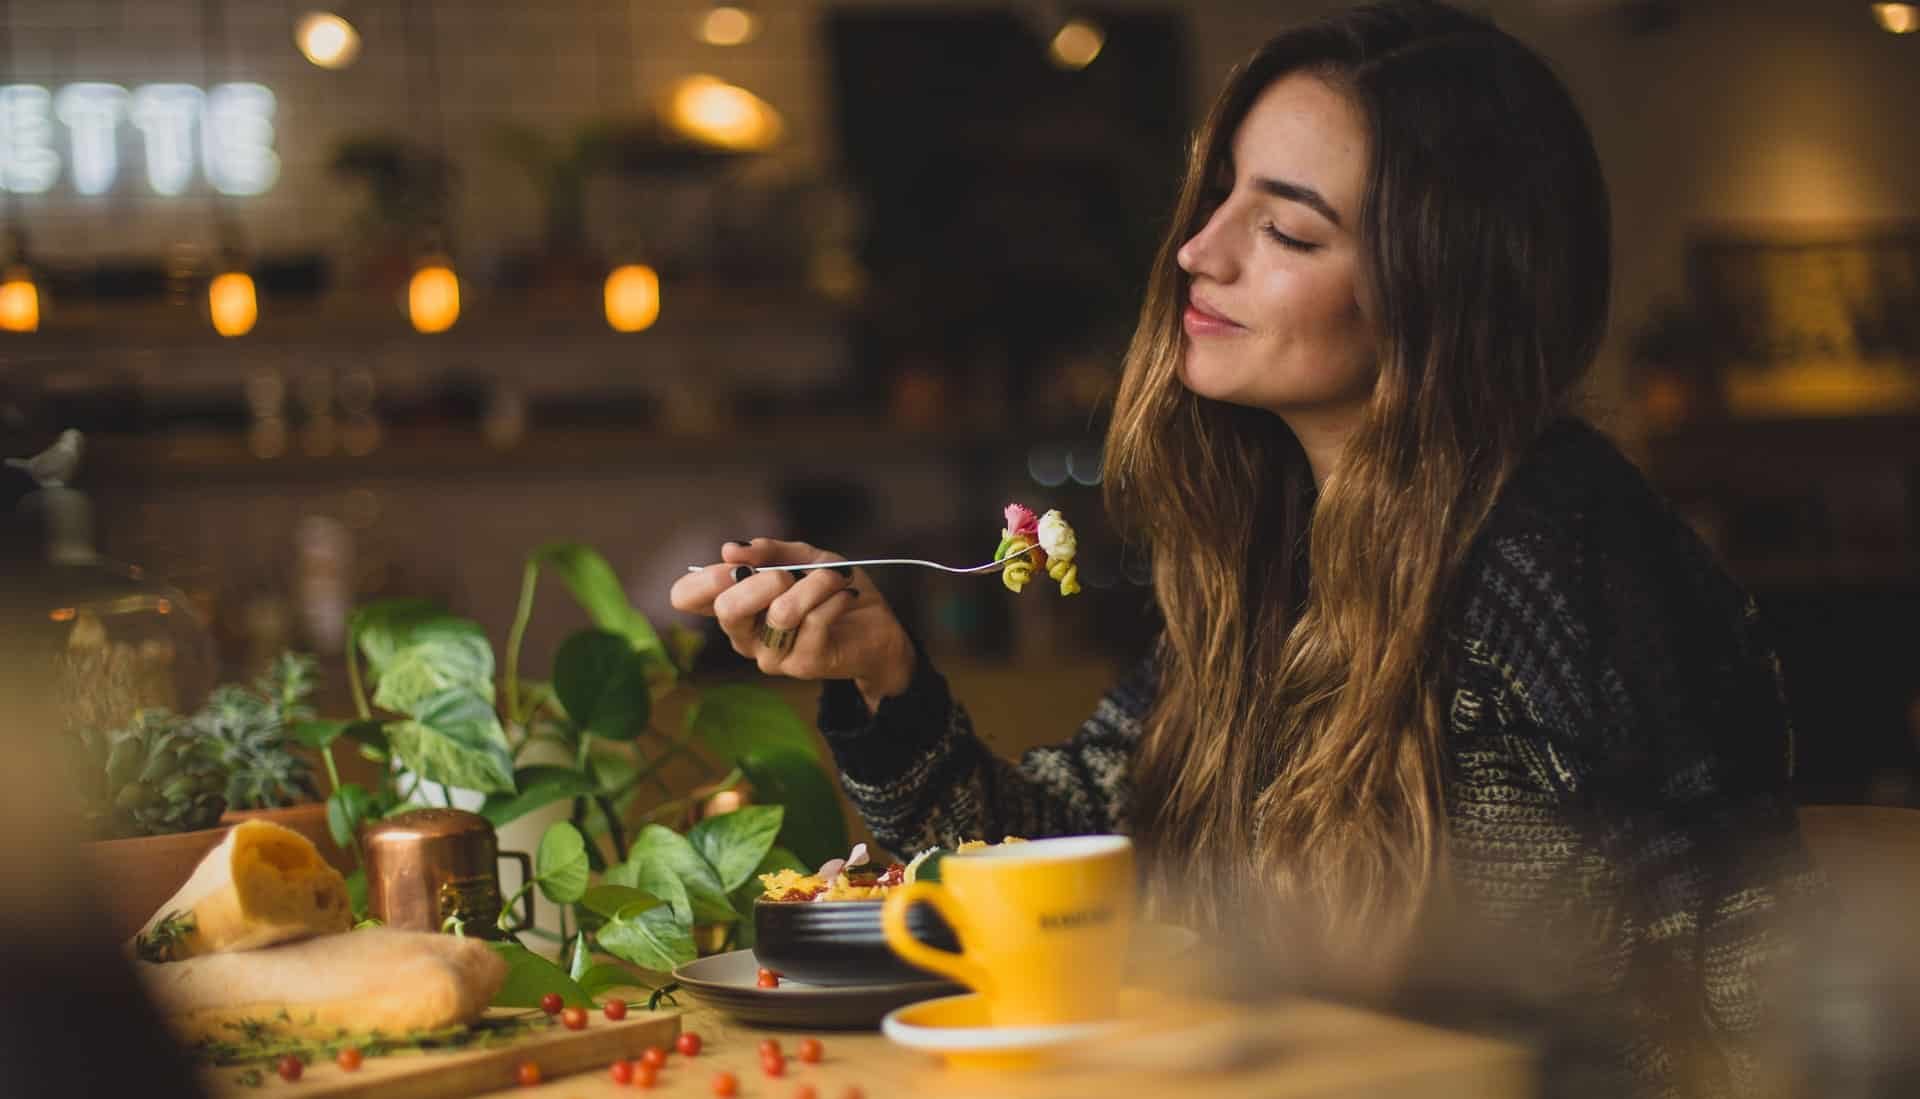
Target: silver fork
{"x":990,"y":566}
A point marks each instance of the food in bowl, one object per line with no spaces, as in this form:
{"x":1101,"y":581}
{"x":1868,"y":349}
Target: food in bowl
{"x":823,"y":928}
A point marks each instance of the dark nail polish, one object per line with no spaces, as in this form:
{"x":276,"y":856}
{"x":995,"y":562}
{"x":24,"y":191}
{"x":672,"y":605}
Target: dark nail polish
{"x":741,"y":572}
{"x":740,"y":541}
{"x":845,"y":571}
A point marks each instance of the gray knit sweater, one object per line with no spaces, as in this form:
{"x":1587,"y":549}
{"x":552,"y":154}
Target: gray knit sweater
{"x":1616,"y":774}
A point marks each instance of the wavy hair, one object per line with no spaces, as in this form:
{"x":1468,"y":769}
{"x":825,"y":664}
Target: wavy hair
{"x":1292,"y":763}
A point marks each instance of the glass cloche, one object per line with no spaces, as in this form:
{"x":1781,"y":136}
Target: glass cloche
{"x":120,"y":641}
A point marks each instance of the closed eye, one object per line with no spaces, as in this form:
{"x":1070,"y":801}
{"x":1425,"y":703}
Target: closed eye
{"x":1285,"y":241}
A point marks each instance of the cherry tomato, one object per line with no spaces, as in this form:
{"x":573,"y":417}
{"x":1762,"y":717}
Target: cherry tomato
{"x":726,"y":1085}
{"x":770,"y":1047}
{"x":621,"y":1071}
{"x":810,"y":1050}
{"x":528,"y":1074}
{"x":551,"y":1003}
{"x":767,"y":978}
{"x":644,"y":1074}
{"x":805,"y":1091}
{"x":349,"y":1058}
{"x":775,"y":1065}
{"x":615,"y":1010}
{"x":688,"y":1044}
{"x":289,"y":1068}
{"x":654,"y":1057}
{"x":853,"y":1092}
{"x":574,"y":1018}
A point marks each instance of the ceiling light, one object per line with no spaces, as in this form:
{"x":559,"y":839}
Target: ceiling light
{"x":727,"y":24}
{"x":326,"y":39}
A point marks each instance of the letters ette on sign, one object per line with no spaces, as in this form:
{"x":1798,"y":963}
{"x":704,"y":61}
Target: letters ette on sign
{"x":228,"y":130}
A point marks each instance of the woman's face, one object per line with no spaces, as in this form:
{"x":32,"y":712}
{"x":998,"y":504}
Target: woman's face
{"x":1274,"y":316}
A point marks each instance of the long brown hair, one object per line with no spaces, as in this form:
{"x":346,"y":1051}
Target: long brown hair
{"x":1292,"y":763}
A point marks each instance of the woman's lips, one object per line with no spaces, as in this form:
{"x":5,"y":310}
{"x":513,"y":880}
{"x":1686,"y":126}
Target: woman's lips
{"x":1198,"y":321}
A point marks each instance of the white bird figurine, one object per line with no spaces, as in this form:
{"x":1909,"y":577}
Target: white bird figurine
{"x":56,"y":465}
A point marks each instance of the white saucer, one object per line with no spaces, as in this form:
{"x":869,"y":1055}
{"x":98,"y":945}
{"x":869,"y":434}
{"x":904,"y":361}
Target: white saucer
{"x":957,"y":1029}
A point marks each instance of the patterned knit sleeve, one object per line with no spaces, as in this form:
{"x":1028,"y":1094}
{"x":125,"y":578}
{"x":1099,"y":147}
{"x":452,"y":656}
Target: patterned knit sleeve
{"x":920,"y":776}
{"x":1640,"y":675}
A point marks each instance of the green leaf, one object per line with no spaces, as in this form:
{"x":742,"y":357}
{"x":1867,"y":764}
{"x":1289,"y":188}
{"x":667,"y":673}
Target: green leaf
{"x":560,"y":865}
{"x":581,"y":960}
{"x":652,"y":939}
{"x":530,"y":976}
{"x":930,"y":869}
{"x":357,"y":893}
{"x":347,"y":809}
{"x":609,"y":900}
{"x":597,"y":590}
{"x":814,"y":827}
{"x":602,"y":682}
{"x":455,"y":739}
{"x":734,"y":843}
{"x":441,"y":653}
{"x":613,"y":767}
{"x":655,"y":879}
{"x":318,"y":735}
{"x":740,"y":719}
{"x":605,"y":976}
{"x":660,"y":846}
{"x":384,"y":627}
{"x":539,"y":786}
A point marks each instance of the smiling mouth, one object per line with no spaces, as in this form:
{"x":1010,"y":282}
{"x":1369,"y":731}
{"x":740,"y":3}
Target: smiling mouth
{"x":1200,"y":320}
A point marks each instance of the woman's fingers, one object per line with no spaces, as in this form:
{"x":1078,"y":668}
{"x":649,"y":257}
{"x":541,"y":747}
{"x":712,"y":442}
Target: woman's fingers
{"x":816,"y":653}
{"x":812,"y":589}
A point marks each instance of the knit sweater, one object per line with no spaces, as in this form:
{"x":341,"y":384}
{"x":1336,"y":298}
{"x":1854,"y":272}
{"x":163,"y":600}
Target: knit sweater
{"x":1616,"y":762}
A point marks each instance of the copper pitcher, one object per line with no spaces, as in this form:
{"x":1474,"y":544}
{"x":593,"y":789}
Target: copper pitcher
{"x":437,"y":869}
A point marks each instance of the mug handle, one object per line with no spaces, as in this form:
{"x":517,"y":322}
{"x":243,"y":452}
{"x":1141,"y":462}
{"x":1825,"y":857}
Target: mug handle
{"x":893,"y":922}
{"x":526,"y":875}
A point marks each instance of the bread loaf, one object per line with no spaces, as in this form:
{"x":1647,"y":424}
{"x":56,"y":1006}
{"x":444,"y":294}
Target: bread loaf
{"x":375,"y":979}
{"x":263,"y":884}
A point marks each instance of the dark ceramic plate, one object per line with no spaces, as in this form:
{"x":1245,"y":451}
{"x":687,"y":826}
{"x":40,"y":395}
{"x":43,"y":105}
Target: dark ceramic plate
{"x":839,"y":943}
{"x":727,"y":982}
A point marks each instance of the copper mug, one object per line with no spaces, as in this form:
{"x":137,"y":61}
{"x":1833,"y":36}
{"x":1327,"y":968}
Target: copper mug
{"x":433,"y":869}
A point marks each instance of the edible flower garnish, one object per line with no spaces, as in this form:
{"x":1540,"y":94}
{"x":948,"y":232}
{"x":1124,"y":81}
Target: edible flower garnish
{"x":833,"y":868}
{"x":1047,"y":542}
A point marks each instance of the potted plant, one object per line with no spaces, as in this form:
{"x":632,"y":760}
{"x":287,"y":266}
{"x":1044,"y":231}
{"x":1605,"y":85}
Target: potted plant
{"x":249,"y":729}
{"x":432,"y":711}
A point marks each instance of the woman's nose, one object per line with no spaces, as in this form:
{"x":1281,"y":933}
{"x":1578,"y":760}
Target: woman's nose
{"x":1202,"y":255}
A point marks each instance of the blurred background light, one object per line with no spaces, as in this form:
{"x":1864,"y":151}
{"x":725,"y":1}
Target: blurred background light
{"x":1076,"y":44}
{"x":232,"y":303}
{"x":727,"y":24}
{"x":1897,"y":18}
{"x":433,"y":297}
{"x":326,"y":39}
{"x":19,"y":301}
{"x":713,"y":111}
{"x":632,"y":297}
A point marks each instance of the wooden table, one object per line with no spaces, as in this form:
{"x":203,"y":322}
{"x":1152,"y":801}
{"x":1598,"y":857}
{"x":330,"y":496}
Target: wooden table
{"x":1318,"y":1050}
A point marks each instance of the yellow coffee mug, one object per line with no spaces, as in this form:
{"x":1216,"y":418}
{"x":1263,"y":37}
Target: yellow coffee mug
{"x":1043,"y":926}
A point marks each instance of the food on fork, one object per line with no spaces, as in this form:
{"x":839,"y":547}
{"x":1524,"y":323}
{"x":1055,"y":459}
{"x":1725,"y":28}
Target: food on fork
{"x":1046,"y":542}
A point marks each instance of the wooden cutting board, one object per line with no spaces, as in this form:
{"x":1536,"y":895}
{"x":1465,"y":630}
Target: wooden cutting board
{"x":558,"y":1051}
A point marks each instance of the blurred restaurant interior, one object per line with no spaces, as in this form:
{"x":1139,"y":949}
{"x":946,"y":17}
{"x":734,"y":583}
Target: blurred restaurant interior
{"x":372,"y":300}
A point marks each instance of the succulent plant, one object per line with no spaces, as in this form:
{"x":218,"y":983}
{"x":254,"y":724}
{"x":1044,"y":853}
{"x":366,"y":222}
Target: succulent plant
{"x":249,"y":729}
{"x":153,"y":776}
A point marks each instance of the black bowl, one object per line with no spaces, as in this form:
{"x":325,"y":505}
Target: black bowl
{"x":840,"y":942}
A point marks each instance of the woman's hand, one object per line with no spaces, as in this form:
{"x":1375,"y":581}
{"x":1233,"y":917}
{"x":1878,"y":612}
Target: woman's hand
{"x":822,"y":624}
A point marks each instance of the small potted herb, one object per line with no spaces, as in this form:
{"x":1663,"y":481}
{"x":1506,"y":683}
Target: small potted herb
{"x":251,"y":730}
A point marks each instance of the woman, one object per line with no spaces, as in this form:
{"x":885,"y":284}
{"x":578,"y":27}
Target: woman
{"x":1429,"y":644}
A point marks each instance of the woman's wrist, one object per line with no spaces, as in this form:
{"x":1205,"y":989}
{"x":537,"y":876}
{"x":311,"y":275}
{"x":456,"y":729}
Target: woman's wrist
{"x":892,"y":674}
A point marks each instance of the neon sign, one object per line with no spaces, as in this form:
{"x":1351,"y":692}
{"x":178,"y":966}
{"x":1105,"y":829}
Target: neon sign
{"x":227,"y":130}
